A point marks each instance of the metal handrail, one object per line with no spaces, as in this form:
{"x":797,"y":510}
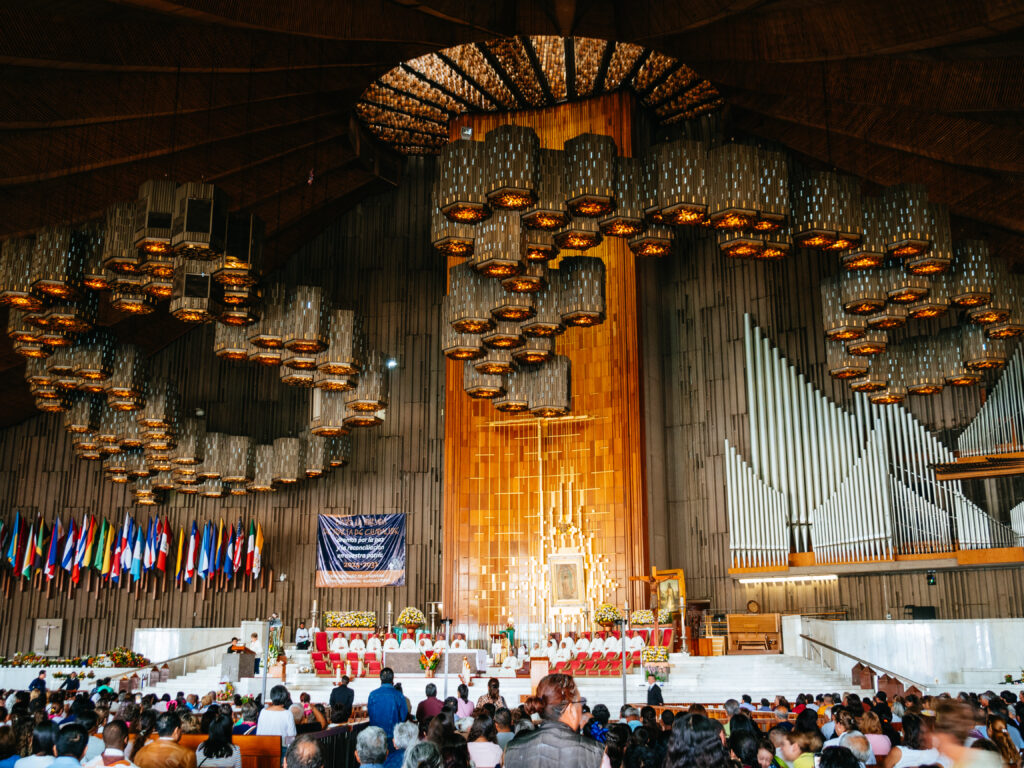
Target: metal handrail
{"x":858,"y":659}
{"x":168,"y":661}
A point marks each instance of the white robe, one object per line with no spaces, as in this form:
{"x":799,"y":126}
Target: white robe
{"x":522,"y":654}
{"x":391,"y":644}
{"x":583,"y":645}
{"x":458,"y":644}
{"x":441,"y":645}
{"x":563,"y":654}
{"x":551,"y":651}
{"x":358,"y":646}
{"x":424,"y":645}
{"x":636,"y":643}
{"x":612,"y":644}
{"x":408,"y":645}
{"x":339,"y":644}
{"x":373,"y":644}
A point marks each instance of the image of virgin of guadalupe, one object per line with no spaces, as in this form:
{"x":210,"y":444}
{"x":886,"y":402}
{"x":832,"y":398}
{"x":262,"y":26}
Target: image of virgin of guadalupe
{"x":565,"y":582}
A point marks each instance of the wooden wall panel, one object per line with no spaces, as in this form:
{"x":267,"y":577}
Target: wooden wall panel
{"x":699,"y":299}
{"x":376,"y":258}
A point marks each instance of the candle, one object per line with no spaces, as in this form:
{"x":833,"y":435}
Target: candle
{"x":389,"y":606}
{"x":314,"y":605}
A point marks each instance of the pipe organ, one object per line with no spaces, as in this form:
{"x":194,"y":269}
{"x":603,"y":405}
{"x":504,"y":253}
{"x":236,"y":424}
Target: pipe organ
{"x":997,"y":427}
{"x":1017,"y":523}
{"x":847,"y":486}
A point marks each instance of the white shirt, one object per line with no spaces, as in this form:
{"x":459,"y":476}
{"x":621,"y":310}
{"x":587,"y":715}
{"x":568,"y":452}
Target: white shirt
{"x":522,"y":653}
{"x":301,"y":635}
{"x":277,"y":722}
{"x":256,"y":647}
{"x":34,"y":761}
{"x":441,"y":645}
{"x":909,"y":758}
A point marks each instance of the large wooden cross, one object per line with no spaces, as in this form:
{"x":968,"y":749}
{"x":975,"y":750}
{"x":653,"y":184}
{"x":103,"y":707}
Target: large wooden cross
{"x":652,"y":583}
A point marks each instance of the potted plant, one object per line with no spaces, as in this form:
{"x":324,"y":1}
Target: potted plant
{"x":606,"y":615}
{"x":411,"y":618}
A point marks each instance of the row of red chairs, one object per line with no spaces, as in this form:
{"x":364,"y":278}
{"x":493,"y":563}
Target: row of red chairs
{"x":600,"y":668}
{"x":327,"y":663}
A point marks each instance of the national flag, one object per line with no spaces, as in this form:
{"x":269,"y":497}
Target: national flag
{"x":215,"y":562}
{"x":250,"y":553}
{"x":115,"y":557}
{"x":257,"y":561}
{"x":228,"y":569}
{"x":190,"y":562}
{"x":29,"y":553}
{"x":12,"y":546}
{"x":136,"y":569}
{"x":204,"y":553}
{"x":239,"y":546}
{"x":148,"y":557}
{"x":90,"y":542}
{"x":40,"y":549}
{"x":51,"y":561}
{"x":127,"y":535}
{"x":68,"y":558}
{"x":181,"y":548}
{"x":163,"y":545}
{"x":108,"y":551}
{"x":83,"y":540}
{"x":101,"y":545}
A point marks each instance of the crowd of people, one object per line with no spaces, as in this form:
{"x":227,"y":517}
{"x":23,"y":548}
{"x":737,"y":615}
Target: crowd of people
{"x":555,"y":728}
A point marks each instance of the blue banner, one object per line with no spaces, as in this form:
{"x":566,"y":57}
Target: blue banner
{"x":360,"y":551}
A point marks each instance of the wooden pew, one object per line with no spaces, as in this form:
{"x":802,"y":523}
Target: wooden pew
{"x":257,"y":751}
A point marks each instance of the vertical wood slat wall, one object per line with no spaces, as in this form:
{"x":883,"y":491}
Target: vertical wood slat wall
{"x":377,"y":258}
{"x":697,"y":365}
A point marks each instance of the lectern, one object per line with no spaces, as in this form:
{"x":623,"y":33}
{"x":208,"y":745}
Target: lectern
{"x":538,"y":671}
{"x":235,"y":666}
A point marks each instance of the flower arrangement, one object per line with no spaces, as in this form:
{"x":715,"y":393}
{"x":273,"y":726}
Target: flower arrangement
{"x":607,"y":613}
{"x":350,"y":619}
{"x":654,"y":654}
{"x":90,"y":675}
{"x":227,"y":693}
{"x":429,"y":662}
{"x":642,"y":616}
{"x":116,"y":657}
{"x":411,"y":617}
{"x":59,"y":675}
{"x":664,"y":616}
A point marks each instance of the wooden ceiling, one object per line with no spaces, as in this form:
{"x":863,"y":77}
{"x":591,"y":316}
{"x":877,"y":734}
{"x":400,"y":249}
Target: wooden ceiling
{"x":99,"y":95}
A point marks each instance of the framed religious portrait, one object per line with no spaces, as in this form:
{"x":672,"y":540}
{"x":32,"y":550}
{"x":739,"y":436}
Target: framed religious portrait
{"x":567,"y":586}
{"x":671,"y":591}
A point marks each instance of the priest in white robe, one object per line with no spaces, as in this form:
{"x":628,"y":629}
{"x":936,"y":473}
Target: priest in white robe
{"x":459,"y":644}
{"x":636,"y":643}
{"x":339,"y":644}
{"x":441,"y":644}
{"x":424,"y":644}
{"x":373,"y":645}
{"x":408,"y":644}
{"x":563,"y":653}
{"x":390,"y":643}
{"x":551,"y":651}
{"x":358,"y":646}
{"x":582,"y":646}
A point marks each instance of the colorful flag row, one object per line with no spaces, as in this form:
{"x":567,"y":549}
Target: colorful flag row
{"x":31,"y":547}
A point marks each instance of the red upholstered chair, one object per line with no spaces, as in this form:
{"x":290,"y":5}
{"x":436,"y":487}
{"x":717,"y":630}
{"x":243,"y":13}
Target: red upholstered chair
{"x":666,"y":637}
{"x":592,"y":667}
{"x":335,"y":659}
{"x":320,"y":667}
{"x":616,"y":634}
{"x":561,"y":666}
{"x":614,"y":669}
{"x":316,"y":656}
{"x":612,"y":656}
{"x":634,"y":658}
{"x":369,"y":656}
{"x":577,"y":666}
{"x":588,"y":635}
{"x":372,"y":665}
{"x":320,"y":642}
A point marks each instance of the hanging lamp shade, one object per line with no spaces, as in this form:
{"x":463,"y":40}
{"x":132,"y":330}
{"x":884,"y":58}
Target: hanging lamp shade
{"x":936,"y":303}
{"x":316,"y":456}
{"x":162,"y":480}
{"x":655,"y":241}
{"x":190,"y":450}
{"x":37,"y":373}
{"x":339,"y":364}
{"x":869,"y":253}
{"x":339,"y":451}
{"x":951,"y":350}
{"x":590,"y":175}
{"x":243,"y":250}
{"x":890,"y":366}
{"x":236,"y":458}
{"x":461,"y":168}
{"x":497,"y":362}
{"x":95,"y":357}
{"x":211,"y":487}
{"x":297,"y":370}
{"x":535,"y":350}
{"x":210,"y":467}
{"x":862,"y":291}
{"x":999,"y":306}
{"x":549,"y":211}
{"x":269,"y":358}
{"x":327,"y":413}
{"x":733,"y":195}
{"x":19,"y":328}
{"x":154,"y":214}
{"x":163,"y":404}
{"x":262,"y":470}
{"x":510,"y":177}
{"x":980,"y":353}
{"x":627,"y":220}
{"x":772,"y":190}
{"x":538,"y":245}
{"x":192,"y":301}
{"x":73,"y":316}
{"x":230,"y":343}
{"x":120,"y":255}
{"x":504,"y":335}
{"x":514,"y":307}
{"x":306,"y":320}
{"x":908,"y":220}
{"x":289,"y":460}
{"x":875,"y":379}
{"x":450,"y":238}
{"x":84,"y":414}
{"x":90,"y":240}
{"x":582,"y":291}
{"x":679,"y":179}
{"x":128,"y":294}
{"x":739,"y":243}
{"x":498,"y":241}
{"x":939,"y":256}
{"x":888,"y":317}
{"x":1013,"y":325}
{"x":579,"y":234}
{"x":471,"y":299}
{"x":547,"y":318}
{"x":971,"y":278}
{"x":826,"y":209}
{"x":268,"y":331}
{"x":516,"y":398}
{"x":873,"y":342}
{"x":57,"y":263}
{"x":371,"y":392}
{"x":455,"y":345}
{"x":904,"y":287}
{"x":923,"y":374}
{"x":532,"y":278}
{"x":112,"y":425}
{"x":16,"y":274}
{"x":125,"y":387}
{"x":841,"y":364}
{"x":551,"y":388}
{"x":482,"y":386}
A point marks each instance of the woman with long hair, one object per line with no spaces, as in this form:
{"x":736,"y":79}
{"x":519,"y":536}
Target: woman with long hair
{"x":556,"y":742}
{"x":998,"y":735}
{"x":871,"y":726}
{"x":916,"y":748}
{"x":695,"y":743}
{"x":218,"y":751}
{"x":483,"y":742}
{"x":464,"y":706}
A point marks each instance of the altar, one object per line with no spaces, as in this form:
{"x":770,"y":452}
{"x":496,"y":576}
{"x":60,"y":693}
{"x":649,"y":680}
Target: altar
{"x":408,"y":662}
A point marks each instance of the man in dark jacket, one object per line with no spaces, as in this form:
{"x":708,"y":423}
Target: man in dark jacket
{"x":654,"y":697}
{"x":341,"y":698}
{"x":386,"y":706}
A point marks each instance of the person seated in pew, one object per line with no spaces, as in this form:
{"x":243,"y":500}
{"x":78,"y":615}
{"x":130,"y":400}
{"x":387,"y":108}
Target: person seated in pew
{"x":339,"y":644}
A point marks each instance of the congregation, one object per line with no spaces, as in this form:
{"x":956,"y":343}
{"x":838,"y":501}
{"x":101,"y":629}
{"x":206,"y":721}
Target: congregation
{"x":554,"y":727}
